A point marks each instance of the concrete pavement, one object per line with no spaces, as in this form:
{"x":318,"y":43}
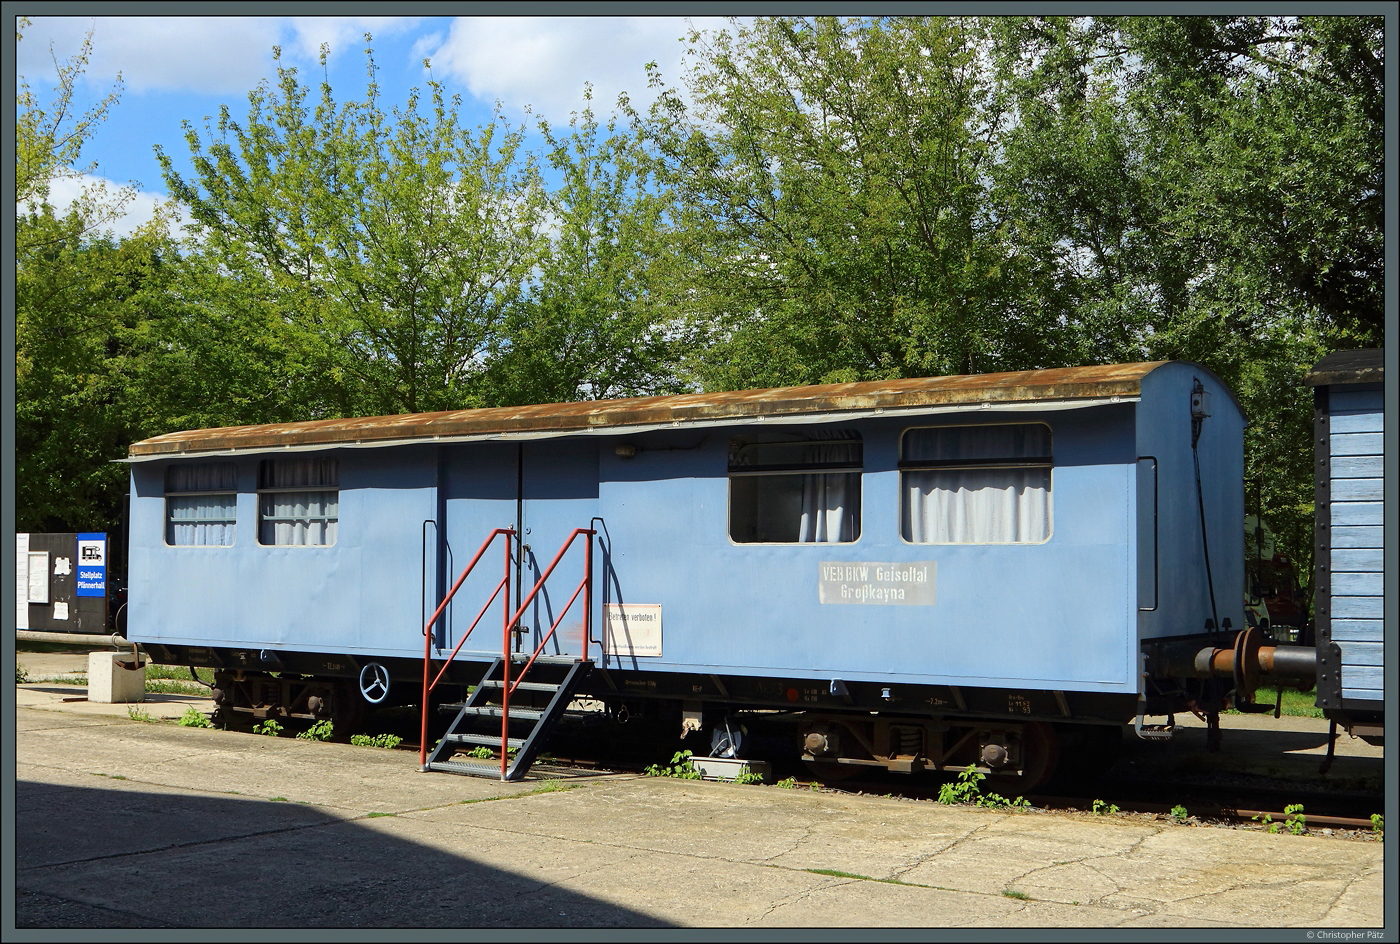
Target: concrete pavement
{"x":122,"y":823}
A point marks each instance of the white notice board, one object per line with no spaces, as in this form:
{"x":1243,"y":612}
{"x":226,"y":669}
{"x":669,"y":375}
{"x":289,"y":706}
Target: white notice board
{"x":632,"y":629}
{"x":22,"y":581}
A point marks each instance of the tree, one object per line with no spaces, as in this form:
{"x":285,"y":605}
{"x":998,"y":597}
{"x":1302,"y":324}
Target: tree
{"x":1213,"y":187}
{"x":86,"y":306}
{"x":49,"y":138}
{"x":833,"y":175}
{"x":381,"y":252}
{"x":594,"y":322}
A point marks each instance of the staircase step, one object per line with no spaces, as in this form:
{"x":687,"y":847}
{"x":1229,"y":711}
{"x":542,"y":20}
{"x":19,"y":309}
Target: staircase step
{"x":486,"y":740}
{"x":494,"y":711}
{"x":461,"y":767}
{"x":543,"y":659}
{"x":523,"y":686}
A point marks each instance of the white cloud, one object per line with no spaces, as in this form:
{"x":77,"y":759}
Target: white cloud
{"x":545,"y":61}
{"x":157,"y":53}
{"x":343,"y":33}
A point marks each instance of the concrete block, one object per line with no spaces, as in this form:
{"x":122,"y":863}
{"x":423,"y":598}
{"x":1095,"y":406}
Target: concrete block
{"x":730,"y":768}
{"x":110,"y":683}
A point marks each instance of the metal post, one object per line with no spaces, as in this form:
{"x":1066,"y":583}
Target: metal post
{"x":505,"y":661}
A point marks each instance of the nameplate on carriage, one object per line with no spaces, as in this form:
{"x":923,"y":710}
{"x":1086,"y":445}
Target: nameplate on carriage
{"x":907,"y":583}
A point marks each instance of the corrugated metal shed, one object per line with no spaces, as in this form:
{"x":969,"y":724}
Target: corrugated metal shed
{"x":1072,"y":386}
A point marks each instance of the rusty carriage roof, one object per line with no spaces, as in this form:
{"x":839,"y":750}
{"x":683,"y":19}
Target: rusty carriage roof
{"x":1069,"y":386}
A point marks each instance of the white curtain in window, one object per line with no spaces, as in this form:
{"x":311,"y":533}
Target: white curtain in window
{"x":829,"y":500}
{"x":202,"y":477}
{"x":977,"y":506}
{"x":299,"y":519}
{"x":200,"y":520}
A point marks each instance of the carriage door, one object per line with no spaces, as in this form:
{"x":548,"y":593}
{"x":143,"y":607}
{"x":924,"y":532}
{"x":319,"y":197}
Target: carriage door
{"x":557,"y":492}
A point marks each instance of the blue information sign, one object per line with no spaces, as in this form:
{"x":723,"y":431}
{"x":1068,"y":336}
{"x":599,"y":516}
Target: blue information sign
{"x":92,"y":564}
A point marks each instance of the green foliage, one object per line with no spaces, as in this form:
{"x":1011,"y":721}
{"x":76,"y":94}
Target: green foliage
{"x":319,"y":731}
{"x":866,"y":198}
{"x":1296,"y":822}
{"x":966,"y":790}
{"x":387,"y":741}
{"x":380,"y":251}
{"x":1179,"y":814}
{"x":1267,"y":821}
{"x":269,"y":727}
{"x":194,"y":718}
{"x":482,"y":752}
{"x":21,"y":674}
{"x":1296,"y":704}
{"x":787,"y":783}
{"x":995,"y":801}
{"x":1100,"y":808}
{"x":749,"y":776}
{"x":593,"y":323}
{"x":680,"y":768}
{"x":1378,"y":824}
{"x":137,"y":713}
{"x":1018,"y":895}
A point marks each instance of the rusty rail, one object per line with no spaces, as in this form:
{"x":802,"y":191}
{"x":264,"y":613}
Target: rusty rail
{"x":427,"y":627}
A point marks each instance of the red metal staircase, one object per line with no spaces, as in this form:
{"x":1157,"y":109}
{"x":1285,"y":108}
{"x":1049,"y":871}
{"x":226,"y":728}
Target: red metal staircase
{"x":552,"y":682}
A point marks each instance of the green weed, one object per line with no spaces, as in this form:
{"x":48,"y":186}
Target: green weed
{"x":749,"y":776}
{"x":1104,"y":809}
{"x":966,"y":790}
{"x":1296,"y":704}
{"x":136,"y":713}
{"x":837,"y":873}
{"x":194,"y":718}
{"x":1178,"y":814}
{"x":388,"y":741}
{"x":481,"y":752}
{"x":995,"y":801}
{"x":1297,"y":823}
{"x":278,"y":799}
{"x":787,"y":783}
{"x":160,"y":686}
{"x":21,"y":674}
{"x":1378,"y":825}
{"x":376,"y":815}
{"x":1267,"y":821}
{"x":681,"y":768}
{"x":269,"y":727}
{"x":1019,"y":896}
{"x":320,"y":731}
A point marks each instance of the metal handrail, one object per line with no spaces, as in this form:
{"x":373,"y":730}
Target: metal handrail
{"x":427,"y":627}
{"x":585,"y":587}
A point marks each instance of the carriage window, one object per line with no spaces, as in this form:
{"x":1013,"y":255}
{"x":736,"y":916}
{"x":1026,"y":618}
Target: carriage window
{"x":795,"y":491}
{"x":976,"y":484}
{"x":201,"y":503}
{"x":298,"y":502}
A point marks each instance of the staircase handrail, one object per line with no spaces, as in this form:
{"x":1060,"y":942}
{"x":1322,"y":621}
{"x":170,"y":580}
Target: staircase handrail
{"x":584,"y":587}
{"x":427,"y":627}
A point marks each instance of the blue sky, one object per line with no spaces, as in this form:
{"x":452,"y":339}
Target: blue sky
{"x":175,"y":69}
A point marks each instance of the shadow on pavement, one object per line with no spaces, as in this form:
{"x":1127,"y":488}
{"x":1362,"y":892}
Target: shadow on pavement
{"x":118,"y":858}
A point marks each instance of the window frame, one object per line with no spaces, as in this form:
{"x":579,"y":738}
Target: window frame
{"x":1046,"y":462}
{"x":168,"y":527}
{"x":778,"y":470}
{"x":324,"y":519}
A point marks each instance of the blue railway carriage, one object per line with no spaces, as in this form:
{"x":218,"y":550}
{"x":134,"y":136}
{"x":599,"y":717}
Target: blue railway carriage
{"x":1349,"y":597}
{"x":997,"y":569}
